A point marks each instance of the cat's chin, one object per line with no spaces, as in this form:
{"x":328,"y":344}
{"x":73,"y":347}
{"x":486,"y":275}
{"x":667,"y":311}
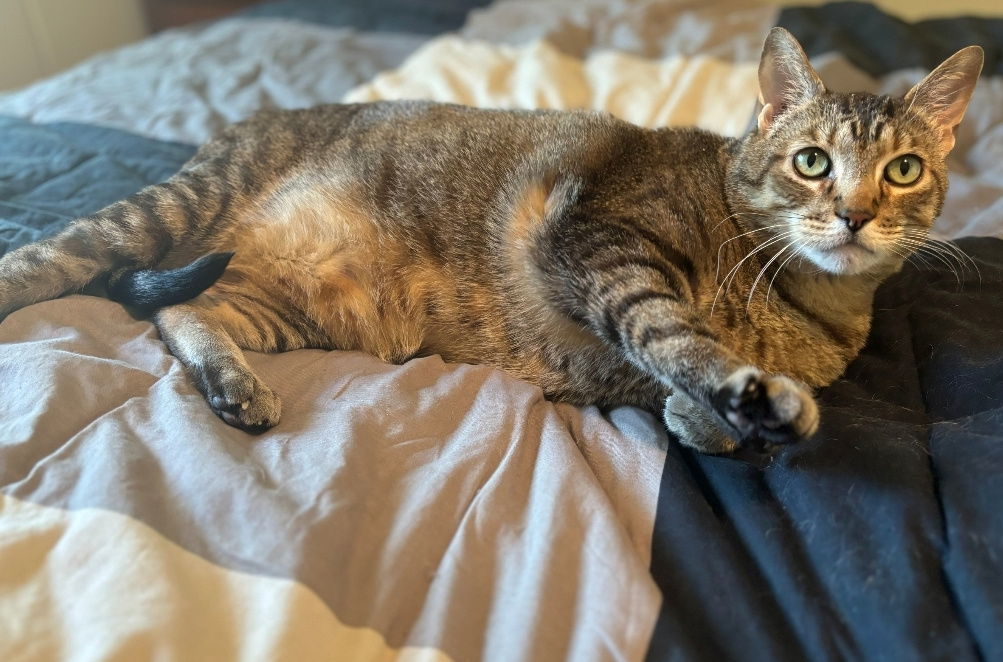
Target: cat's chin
{"x":848,"y":259}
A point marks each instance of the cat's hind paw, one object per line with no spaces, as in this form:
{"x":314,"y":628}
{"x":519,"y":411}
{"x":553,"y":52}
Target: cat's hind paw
{"x":243,"y":401}
{"x":766,"y":409}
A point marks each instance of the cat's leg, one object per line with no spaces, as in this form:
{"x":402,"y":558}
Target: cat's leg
{"x":636,"y":293}
{"x":190,"y":209}
{"x":668,"y":339}
{"x":713,"y":387}
{"x":136,"y":232}
{"x":198,"y":336}
{"x":208,"y":333}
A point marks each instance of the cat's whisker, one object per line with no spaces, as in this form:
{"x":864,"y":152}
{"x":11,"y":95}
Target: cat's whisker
{"x":785,"y":216}
{"x":762,"y":271}
{"x":942,"y":247}
{"x":964,"y":259}
{"x":733,"y":273}
{"x":908,"y":256}
{"x":734,"y":270}
{"x":717,"y":272}
{"x":726,"y":218}
{"x":749,"y":212}
{"x":943,"y":256}
{"x":770,"y":214}
{"x":948,"y":260}
{"x":783,"y":264}
{"x":745,"y":213}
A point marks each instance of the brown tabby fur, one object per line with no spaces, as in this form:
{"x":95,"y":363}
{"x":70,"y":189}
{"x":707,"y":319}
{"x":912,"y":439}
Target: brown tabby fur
{"x":669,"y":269}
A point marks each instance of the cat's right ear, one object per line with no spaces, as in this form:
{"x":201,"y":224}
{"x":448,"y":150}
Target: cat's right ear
{"x":786,"y":78}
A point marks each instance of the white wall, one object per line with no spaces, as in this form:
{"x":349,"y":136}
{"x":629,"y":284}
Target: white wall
{"x":41,"y":37}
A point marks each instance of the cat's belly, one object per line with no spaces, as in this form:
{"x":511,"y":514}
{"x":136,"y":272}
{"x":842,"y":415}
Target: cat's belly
{"x":324,"y":262}
{"x":364,"y":286}
{"x":363,"y":296}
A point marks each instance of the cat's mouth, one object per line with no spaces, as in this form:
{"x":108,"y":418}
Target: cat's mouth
{"x":843,"y":243}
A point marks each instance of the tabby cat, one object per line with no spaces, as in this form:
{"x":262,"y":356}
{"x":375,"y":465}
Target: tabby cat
{"x":716,"y":280}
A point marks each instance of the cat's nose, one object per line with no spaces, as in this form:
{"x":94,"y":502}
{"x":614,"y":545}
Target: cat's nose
{"x":855,"y":218}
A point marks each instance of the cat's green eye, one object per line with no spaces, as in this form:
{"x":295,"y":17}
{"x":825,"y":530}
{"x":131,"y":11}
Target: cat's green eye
{"x":904,"y":170}
{"x":812,"y":162}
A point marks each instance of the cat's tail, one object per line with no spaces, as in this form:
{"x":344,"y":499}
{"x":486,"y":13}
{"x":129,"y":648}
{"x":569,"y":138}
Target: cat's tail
{"x":150,"y":289}
{"x":190,"y":210}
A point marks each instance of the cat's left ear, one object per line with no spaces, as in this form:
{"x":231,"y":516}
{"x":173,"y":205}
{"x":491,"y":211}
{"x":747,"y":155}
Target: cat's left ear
{"x":943,"y":96}
{"x":786,"y":78}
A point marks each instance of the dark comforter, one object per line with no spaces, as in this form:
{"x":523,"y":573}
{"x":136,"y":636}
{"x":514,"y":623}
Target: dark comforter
{"x":881,"y":537}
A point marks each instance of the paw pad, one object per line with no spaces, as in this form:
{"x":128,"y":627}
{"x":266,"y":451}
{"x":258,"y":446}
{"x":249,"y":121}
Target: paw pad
{"x":766,"y":409}
{"x":243,"y":401}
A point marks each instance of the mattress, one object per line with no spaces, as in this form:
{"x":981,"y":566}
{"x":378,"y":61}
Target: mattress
{"x":438,"y":511}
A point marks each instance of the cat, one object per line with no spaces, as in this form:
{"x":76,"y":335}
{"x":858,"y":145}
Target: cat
{"x":715,"y":280}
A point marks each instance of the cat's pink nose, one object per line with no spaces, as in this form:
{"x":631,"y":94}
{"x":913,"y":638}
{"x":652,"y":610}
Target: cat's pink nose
{"x":855,"y":218}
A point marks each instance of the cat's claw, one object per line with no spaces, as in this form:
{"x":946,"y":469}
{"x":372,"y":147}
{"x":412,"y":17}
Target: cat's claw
{"x":243,"y":401}
{"x":766,"y":409}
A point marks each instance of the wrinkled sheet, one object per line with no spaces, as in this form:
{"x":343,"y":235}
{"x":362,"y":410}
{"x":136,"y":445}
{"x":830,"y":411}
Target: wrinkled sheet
{"x":432,"y":511}
{"x":441,"y":531}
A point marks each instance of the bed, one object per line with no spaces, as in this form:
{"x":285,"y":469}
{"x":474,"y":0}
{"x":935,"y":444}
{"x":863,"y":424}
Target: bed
{"x":434,"y":511}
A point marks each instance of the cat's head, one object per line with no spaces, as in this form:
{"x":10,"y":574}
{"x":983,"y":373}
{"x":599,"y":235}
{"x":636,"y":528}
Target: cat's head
{"x":851,"y":182}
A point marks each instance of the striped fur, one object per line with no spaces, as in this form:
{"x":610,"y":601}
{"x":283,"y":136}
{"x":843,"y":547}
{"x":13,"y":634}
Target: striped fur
{"x":670,"y":269}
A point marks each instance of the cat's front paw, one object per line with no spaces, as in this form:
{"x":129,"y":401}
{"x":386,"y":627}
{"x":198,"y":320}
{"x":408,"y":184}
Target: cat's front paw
{"x":695,"y":426}
{"x":766,"y":408}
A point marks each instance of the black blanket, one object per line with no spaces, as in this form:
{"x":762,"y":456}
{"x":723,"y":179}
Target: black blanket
{"x":881,"y":537}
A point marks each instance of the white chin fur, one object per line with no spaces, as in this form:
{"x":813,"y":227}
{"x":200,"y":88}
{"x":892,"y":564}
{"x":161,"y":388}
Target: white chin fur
{"x":847,"y":261}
